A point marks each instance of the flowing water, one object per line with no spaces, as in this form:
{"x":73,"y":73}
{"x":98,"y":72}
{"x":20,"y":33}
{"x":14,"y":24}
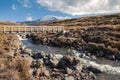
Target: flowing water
{"x":45,"y":48}
{"x":112,"y":68}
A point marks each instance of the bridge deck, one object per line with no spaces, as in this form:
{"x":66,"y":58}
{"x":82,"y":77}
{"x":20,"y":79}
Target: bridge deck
{"x":30,"y":28}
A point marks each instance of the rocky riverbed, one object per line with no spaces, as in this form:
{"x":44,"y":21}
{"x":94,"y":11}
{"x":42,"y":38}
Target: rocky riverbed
{"x":21,"y":63}
{"x":52,"y":66}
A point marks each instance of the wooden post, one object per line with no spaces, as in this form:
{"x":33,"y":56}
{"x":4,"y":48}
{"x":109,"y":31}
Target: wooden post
{"x":47,"y":28}
{"x":56,"y":29}
{"x":11,"y":29}
{"x":43,"y":29}
{"x":17,"y":29}
{"x":31,"y":28}
{"x":62,"y":28}
{"x":25,"y":29}
{"x":37,"y":28}
{"x":4,"y":29}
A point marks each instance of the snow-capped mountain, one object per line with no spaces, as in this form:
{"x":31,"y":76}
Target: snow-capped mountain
{"x":48,"y":18}
{"x":52,"y":18}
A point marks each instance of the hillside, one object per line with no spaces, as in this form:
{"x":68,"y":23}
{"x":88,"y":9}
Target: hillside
{"x":9,"y":23}
{"x":111,"y":19}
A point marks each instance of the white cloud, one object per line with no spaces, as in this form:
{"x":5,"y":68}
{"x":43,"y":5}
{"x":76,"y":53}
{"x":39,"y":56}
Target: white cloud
{"x":13,"y":7}
{"x":25,"y":3}
{"x":78,"y":7}
{"x":29,"y":18}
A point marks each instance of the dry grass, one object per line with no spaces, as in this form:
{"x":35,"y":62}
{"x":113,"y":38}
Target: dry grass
{"x":12,"y":68}
{"x":4,"y":43}
{"x":112,"y":19}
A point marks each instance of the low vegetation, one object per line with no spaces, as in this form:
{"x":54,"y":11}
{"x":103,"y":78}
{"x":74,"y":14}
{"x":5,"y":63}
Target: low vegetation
{"x":12,"y":67}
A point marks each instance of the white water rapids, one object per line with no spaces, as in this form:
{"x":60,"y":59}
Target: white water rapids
{"x":102,"y":67}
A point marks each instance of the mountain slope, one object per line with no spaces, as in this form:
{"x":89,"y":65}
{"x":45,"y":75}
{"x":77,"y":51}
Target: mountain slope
{"x":111,"y":19}
{"x":7,"y":23}
{"x":48,"y":18}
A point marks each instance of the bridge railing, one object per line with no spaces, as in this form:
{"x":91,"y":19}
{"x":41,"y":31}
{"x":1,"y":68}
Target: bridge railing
{"x":5,"y":28}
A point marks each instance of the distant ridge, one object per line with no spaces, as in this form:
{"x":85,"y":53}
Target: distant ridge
{"x":104,"y":19}
{"x":45,"y":19}
{"x":8,"y":23}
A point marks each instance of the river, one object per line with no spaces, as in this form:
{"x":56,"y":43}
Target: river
{"x":45,"y":48}
{"x":101,"y":62}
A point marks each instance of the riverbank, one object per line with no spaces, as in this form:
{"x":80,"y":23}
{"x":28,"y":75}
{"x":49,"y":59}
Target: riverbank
{"x":101,"y":41}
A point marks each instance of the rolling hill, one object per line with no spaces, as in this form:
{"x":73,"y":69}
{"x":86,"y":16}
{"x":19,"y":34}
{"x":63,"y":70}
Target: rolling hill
{"x":111,"y":19}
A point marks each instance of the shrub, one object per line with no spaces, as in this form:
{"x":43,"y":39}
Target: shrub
{"x":94,"y":47}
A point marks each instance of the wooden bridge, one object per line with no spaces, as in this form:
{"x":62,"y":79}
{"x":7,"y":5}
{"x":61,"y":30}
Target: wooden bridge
{"x":18,"y":29}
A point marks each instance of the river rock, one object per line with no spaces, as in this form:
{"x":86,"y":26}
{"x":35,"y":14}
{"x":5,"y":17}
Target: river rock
{"x":88,"y":54}
{"x":59,"y":56}
{"x":39,"y":55}
{"x":118,"y":56}
{"x":79,"y":67}
{"x":91,"y":74}
{"x":24,"y":36}
{"x":22,"y":47}
{"x":94,"y":70}
{"x":66,"y":61}
{"x":111,"y":57}
{"x":46,"y":73}
{"x":69,"y":78}
{"x":40,"y":62}
{"x":42,"y":54}
{"x":54,"y":62}
{"x":51,"y":56}
{"x":37,"y":63}
{"x":83,"y":55}
{"x":93,"y":57}
{"x":27,"y":51}
{"x":76,"y":61}
{"x":68,"y":70}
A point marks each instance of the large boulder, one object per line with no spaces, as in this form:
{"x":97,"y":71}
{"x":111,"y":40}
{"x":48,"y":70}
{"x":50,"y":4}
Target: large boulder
{"x":68,"y":61}
{"x":94,"y":70}
{"x":54,"y":62}
{"x":118,"y":56}
{"x":37,"y":63}
{"x":27,"y":51}
{"x":58,"y":56}
{"x":39,"y":55}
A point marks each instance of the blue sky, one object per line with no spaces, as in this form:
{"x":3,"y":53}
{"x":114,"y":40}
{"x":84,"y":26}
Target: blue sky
{"x":28,"y":10}
{"x":14,"y":10}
